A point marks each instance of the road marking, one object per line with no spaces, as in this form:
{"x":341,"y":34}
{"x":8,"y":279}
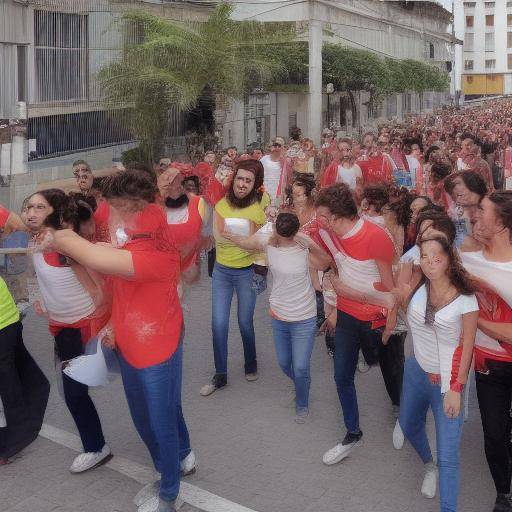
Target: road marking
{"x":189,"y":493}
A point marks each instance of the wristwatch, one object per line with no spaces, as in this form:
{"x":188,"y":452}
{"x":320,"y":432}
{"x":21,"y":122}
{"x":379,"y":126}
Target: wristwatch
{"x":456,"y":386}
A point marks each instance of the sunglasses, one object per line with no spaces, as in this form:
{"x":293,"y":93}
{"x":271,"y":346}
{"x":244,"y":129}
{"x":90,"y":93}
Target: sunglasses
{"x":277,"y":145}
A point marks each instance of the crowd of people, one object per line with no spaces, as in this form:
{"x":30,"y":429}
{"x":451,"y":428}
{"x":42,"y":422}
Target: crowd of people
{"x":397,"y":247}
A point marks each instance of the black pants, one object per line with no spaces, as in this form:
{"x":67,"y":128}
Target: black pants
{"x":320,"y":319}
{"x":495,"y":400}
{"x":24,"y":392}
{"x":391,"y":360}
{"x":68,"y":344}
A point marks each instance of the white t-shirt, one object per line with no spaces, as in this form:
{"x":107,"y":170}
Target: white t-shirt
{"x":413,"y":254}
{"x":414,"y":164}
{"x":272,"y":175}
{"x":292,"y":298}
{"x":349,"y":176}
{"x":435,"y":344}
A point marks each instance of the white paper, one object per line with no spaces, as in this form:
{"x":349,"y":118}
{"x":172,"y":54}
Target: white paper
{"x":91,"y":369}
{"x":238,"y":226}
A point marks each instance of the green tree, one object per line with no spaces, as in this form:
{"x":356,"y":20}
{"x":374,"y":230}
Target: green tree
{"x":176,"y":63}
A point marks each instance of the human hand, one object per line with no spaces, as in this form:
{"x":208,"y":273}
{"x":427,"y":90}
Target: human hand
{"x":452,"y":404}
{"x":329,"y":326}
{"x":108,"y":337}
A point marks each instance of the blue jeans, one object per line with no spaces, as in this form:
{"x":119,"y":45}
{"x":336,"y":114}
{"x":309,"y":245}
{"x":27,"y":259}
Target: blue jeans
{"x":418,"y":394}
{"x":294,"y":344}
{"x":225,"y":281}
{"x":154,"y":398}
{"x":351,"y":335}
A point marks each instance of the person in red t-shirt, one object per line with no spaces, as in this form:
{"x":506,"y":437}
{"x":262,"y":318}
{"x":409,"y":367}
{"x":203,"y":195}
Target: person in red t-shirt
{"x":146,"y":322}
{"x":363,"y":253}
{"x":377,"y":167}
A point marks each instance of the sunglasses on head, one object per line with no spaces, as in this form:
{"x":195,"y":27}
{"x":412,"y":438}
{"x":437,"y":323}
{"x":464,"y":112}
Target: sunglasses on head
{"x":277,"y":145}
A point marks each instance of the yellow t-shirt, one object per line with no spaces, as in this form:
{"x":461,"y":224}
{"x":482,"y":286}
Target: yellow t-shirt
{"x":9,"y":313}
{"x":228,"y":254}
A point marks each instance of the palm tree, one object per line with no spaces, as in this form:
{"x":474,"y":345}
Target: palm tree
{"x":176,"y":63}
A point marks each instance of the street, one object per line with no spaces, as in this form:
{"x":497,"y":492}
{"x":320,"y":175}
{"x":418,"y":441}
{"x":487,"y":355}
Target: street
{"x":251,"y":455}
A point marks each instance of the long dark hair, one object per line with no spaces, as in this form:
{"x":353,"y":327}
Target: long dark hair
{"x":255,"y":195}
{"x":457,"y":274}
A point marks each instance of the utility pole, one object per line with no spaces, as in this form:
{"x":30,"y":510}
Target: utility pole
{"x":454,"y":75}
{"x":315,"y":75}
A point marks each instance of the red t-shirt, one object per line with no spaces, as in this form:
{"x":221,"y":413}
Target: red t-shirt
{"x":377,"y":169}
{"x":146,"y":311}
{"x":100,"y":217}
{"x":370,"y":243}
{"x":4,"y":216}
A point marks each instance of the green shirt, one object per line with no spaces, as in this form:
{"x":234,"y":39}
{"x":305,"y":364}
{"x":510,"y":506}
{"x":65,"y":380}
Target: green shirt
{"x":9,"y":313}
{"x":228,"y":254}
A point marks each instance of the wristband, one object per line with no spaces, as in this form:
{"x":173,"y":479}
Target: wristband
{"x":456,"y":386}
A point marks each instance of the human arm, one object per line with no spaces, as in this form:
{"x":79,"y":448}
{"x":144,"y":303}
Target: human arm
{"x":254,"y":243}
{"x":14,"y":223}
{"x":101,"y":258}
{"x":452,"y":398}
{"x":318,"y":258}
{"x":498,"y":330}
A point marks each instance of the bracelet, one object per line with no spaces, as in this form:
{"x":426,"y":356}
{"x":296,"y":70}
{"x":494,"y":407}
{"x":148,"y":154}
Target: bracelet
{"x":456,"y":386}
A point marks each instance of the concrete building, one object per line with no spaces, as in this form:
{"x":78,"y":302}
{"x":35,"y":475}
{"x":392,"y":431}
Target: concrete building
{"x":484,"y":62}
{"x":404,"y":30}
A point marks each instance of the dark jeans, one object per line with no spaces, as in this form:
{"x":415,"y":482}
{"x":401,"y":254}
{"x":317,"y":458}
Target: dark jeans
{"x":154,"y":397}
{"x":68,"y":344}
{"x":320,"y":319}
{"x":24,"y":392}
{"x":494,"y":392}
{"x":351,"y":335}
{"x":391,"y":360}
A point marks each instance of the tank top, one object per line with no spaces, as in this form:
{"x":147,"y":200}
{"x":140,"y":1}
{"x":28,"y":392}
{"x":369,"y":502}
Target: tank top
{"x":64,"y":297}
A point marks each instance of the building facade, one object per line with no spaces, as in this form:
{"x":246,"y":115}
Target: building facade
{"x":485,"y":59}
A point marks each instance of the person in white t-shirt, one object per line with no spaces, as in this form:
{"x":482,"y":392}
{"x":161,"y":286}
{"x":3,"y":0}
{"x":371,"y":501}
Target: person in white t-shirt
{"x":441,"y":313}
{"x":292,"y":300}
{"x":272,"y":165}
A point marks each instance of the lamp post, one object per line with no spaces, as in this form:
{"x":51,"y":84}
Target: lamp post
{"x":329,"y":89}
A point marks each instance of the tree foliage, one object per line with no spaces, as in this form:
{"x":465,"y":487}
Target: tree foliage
{"x":175,"y":63}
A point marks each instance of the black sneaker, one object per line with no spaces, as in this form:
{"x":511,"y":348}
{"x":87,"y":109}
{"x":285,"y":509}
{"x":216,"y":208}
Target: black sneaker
{"x":217,"y":382}
{"x":503,"y":503}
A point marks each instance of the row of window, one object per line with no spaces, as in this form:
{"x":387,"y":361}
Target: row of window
{"x":490,"y":64}
{"x":469,"y":41}
{"x":488,"y":5}
{"x":489,"y":20}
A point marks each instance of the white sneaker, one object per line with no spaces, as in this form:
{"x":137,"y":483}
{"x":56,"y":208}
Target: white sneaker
{"x":398,"y":436}
{"x":188,"y":464}
{"x":343,"y":449}
{"x":146,"y":493}
{"x":91,"y":460}
{"x":155,"y":504}
{"x":428,"y":488}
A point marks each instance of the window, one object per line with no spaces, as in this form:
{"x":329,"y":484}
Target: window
{"x":469,"y":5}
{"x":509,"y":20}
{"x":489,"y":20}
{"x":509,"y":60}
{"x":489,"y":5}
{"x":490,"y":63}
{"x":60,"y":56}
{"x":468,"y":65}
{"x":489,"y":42}
{"x":431,"y":50}
{"x":509,"y":39}
{"x":469,"y":39}
{"x":470,"y":21}
{"x":21,"y":54}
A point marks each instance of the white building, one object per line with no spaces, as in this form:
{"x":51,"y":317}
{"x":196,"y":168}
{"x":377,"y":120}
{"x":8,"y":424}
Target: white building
{"x":484,"y":63}
{"x":404,"y":30}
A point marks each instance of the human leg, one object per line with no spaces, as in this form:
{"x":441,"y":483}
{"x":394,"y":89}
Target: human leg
{"x":391,"y":360}
{"x":283,"y":345}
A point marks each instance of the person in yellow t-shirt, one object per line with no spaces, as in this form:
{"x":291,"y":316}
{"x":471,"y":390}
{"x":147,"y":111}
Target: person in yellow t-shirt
{"x":241,"y":211}
{"x":24,"y":389}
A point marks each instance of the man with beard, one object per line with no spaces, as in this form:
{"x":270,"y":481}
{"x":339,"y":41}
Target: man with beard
{"x":377,"y":167}
{"x":344,"y":170}
{"x":241,"y":212}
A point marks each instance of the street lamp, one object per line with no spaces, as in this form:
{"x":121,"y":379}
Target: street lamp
{"x":329,"y":89}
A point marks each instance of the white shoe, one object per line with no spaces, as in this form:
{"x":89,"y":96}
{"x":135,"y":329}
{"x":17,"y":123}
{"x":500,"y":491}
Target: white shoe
{"x":428,"y":489}
{"x":342,"y":450}
{"x":188,"y":464}
{"x":91,"y":460}
{"x":155,"y":504}
{"x":398,"y":436}
{"x":146,"y":493}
